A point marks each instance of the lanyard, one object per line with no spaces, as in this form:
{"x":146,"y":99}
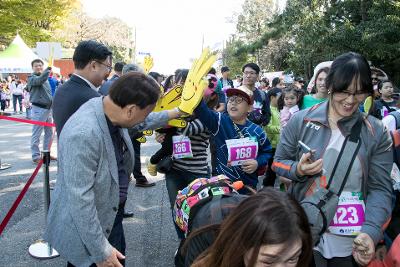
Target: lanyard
{"x":184,"y":132}
{"x":238,"y":130}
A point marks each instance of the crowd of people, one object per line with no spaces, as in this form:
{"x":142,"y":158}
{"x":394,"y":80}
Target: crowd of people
{"x":326,"y":160}
{"x":14,"y":93}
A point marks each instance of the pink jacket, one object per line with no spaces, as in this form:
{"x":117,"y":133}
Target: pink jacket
{"x":287,"y":113}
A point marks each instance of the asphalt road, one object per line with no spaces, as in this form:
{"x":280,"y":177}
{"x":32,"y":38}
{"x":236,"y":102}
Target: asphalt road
{"x":150,"y":236}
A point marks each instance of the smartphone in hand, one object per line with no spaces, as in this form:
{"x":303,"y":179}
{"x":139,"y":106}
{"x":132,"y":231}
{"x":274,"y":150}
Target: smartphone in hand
{"x":306,"y":149}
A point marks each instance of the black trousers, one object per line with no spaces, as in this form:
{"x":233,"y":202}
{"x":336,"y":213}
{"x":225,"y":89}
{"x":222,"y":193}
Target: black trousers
{"x":19,"y":99}
{"x":165,"y":150}
{"x":319,"y":261}
{"x":270,"y":175}
{"x":137,"y":169}
{"x":117,"y":236}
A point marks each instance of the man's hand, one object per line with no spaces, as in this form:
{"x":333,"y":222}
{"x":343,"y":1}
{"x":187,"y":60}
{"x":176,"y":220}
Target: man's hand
{"x":112,"y":261}
{"x":307,"y":167}
{"x":160,"y":137}
{"x":250,"y":166}
{"x":363,"y":249}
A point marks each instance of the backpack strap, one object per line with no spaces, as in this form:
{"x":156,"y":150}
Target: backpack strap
{"x":396,"y":146}
{"x":396,"y":115}
{"x":389,"y":109}
{"x":345,"y":160}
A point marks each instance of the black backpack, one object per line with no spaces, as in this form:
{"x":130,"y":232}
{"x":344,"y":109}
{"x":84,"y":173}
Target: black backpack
{"x":211,"y":213}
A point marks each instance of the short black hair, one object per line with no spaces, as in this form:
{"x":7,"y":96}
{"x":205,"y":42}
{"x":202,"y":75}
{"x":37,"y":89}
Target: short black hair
{"x":212,"y":71}
{"x":181,"y":76}
{"x":135,"y":88}
{"x":38,"y":60}
{"x":89,"y":50}
{"x":273,"y":92}
{"x":265,"y":80}
{"x":155,"y":75}
{"x":381,"y":82}
{"x":347,"y":67}
{"x":275,"y":81}
{"x":118,"y":66}
{"x":224,"y":69}
{"x":252,"y":66}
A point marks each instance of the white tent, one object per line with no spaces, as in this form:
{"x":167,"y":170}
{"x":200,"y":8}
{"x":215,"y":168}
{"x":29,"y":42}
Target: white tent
{"x":17,"y":58}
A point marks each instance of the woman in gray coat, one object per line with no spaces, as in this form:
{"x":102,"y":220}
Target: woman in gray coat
{"x":365,"y":202}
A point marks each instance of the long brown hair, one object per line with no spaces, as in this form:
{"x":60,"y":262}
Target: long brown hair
{"x":270,"y":217}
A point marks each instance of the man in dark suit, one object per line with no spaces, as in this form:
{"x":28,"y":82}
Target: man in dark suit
{"x":92,"y":62}
{"x":117,"y":73}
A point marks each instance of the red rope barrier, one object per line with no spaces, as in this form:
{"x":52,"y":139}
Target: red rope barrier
{"x":41,"y":123}
{"x":21,"y":195}
{"x":19,"y":198}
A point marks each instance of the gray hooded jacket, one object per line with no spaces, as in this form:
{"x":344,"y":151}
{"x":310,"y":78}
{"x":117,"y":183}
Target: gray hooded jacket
{"x":312,"y":127}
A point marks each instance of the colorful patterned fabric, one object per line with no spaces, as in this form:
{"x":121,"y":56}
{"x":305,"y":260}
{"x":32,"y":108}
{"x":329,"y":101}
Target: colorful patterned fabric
{"x":197,"y":193}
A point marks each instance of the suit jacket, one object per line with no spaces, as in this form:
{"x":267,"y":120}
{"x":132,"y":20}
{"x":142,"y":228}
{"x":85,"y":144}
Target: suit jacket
{"x":105,"y":88}
{"x":86,"y":197}
{"x":68,"y":98}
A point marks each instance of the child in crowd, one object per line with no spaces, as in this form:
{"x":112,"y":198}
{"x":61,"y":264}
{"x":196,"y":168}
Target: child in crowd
{"x":166,"y":146}
{"x":27,"y":103}
{"x":386,"y":103}
{"x":273,"y":130}
{"x":242,"y":146}
{"x":3,"y":96}
{"x":289,"y":103}
{"x":166,"y":149}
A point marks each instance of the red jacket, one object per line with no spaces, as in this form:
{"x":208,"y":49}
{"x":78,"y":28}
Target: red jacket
{"x":392,"y":259}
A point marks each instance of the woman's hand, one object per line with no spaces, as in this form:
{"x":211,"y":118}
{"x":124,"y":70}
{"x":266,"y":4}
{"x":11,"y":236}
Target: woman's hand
{"x":160,"y":137}
{"x":307,"y":167}
{"x":363,"y":249}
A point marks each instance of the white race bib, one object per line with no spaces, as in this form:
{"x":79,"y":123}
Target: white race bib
{"x":350,"y":214}
{"x":182,"y":147}
{"x":241,"y":149}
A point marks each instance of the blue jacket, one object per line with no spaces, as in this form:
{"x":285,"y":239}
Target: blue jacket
{"x":105,"y":88}
{"x":221,"y":126}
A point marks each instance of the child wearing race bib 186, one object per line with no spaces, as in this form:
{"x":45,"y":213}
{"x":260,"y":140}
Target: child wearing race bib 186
{"x":242,"y":146}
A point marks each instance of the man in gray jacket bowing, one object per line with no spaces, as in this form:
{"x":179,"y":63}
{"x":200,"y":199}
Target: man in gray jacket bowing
{"x":84,"y":223}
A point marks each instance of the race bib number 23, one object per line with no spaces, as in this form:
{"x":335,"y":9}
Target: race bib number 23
{"x":350,"y":214}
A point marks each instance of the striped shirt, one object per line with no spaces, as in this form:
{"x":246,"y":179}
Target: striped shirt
{"x":199,"y":139}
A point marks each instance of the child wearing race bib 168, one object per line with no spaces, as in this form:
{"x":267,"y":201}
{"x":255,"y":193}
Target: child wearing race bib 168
{"x":242,"y":146}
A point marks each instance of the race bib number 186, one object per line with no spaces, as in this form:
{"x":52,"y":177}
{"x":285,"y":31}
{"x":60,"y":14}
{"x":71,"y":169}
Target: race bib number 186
{"x":182,"y":147}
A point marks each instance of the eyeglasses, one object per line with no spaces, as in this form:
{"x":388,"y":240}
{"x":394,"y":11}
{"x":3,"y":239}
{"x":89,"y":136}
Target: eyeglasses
{"x":360,"y":95}
{"x":236,"y":99}
{"x":109,"y":68}
{"x":249,"y":73}
{"x":374,"y":78}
